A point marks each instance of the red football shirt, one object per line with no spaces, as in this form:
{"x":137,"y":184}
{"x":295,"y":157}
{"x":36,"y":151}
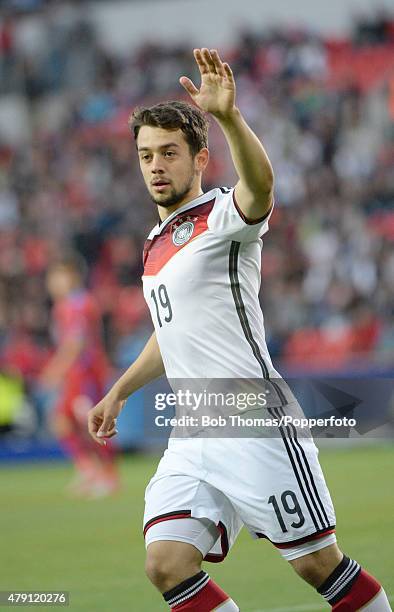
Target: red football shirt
{"x":78,"y":317}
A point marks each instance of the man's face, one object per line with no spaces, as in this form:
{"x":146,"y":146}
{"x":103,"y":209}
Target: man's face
{"x":60,"y":282}
{"x":170,"y":171}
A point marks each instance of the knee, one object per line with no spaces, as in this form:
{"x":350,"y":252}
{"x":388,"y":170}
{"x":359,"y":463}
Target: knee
{"x":159,"y":572}
{"x":316,"y":567}
{"x":166,"y":567}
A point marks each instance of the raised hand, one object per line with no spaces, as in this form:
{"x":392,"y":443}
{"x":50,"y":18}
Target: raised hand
{"x":217,"y":90}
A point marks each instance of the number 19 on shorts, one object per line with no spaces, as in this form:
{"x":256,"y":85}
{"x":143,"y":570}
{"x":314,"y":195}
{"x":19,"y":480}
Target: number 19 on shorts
{"x":289,"y":504}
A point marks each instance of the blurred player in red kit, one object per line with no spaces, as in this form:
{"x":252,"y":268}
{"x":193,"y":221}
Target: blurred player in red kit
{"x":78,"y":371}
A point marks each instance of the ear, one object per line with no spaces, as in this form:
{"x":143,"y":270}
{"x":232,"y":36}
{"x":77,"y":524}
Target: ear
{"x":201,"y":159}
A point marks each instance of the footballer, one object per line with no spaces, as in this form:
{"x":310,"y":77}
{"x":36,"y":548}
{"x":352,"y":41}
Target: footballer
{"x":201,"y":281}
{"x":77,"y":372}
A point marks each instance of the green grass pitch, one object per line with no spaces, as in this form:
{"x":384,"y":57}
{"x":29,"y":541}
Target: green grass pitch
{"x":95,"y":550}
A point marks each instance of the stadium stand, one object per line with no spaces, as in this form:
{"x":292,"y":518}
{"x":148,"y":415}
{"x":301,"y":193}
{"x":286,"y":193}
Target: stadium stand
{"x":69,"y":176}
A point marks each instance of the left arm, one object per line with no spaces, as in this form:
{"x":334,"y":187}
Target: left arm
{"x":57,"y":368}
{"x":254,"y":189}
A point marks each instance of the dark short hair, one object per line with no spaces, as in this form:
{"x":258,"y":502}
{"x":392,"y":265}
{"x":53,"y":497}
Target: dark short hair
{"x":174,"y":115}
{"x":72,"y":262}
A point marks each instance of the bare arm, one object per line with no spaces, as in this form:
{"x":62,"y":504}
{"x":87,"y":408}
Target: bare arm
{"x":147,"y":367}
{"x":254,"y":190}
{"x":216,"y":95}
{"x":65,"y":356}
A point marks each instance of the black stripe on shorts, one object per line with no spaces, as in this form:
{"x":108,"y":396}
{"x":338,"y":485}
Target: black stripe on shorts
{"x":298,"y":466}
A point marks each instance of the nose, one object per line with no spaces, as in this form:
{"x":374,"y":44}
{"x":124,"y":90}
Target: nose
{"x":157,"y":165}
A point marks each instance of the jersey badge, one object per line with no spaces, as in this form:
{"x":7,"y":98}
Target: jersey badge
{"x":183,"y":230}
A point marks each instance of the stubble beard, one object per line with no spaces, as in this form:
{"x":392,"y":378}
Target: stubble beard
{"x":174,"y":197}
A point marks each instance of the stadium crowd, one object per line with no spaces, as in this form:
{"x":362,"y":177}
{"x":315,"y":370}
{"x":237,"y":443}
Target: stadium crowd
{"x":73,"y":182}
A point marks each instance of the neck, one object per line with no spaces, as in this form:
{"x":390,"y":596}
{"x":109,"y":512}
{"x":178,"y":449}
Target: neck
{"x":166,"y":211}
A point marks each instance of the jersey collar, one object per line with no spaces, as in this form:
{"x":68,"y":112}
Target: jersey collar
{"x":200,"y":200}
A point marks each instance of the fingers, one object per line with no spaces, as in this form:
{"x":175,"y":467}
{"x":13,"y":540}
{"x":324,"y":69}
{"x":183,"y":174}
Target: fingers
{"x":229,"y":72}
{"x":201,"y":63}
{"x":110,"y":434}
{"x":189,"y":86}
{"x":101,"y":427}
{"x":94,"y":424}
{"x":209,"y":62}
{"x":217,"y":62}
{"x":107,"y":425}
{"x":204,"y":61}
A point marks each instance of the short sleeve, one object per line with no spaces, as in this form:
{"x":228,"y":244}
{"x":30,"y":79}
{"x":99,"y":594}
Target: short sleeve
{"x":228,"y":220}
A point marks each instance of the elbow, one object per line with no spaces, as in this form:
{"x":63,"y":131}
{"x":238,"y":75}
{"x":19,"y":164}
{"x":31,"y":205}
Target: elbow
{"x":267,"y":189}
{"x":270,"y":178}
{"x":266,"y":180}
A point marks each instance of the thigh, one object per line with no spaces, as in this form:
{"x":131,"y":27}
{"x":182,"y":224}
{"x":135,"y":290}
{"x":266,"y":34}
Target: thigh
{"x":172,"y":495}
{"x":279,"y":490}
{"x":200,"y":533}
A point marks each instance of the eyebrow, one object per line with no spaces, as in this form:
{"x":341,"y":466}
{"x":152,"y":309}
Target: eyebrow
{"x":164,"y":146}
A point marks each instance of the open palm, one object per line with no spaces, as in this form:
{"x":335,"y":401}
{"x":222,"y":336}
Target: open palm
{"x":217,"y":90}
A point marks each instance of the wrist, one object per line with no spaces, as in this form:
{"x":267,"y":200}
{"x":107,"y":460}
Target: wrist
{"x":117,"y":394}
{"x":229,"y":118}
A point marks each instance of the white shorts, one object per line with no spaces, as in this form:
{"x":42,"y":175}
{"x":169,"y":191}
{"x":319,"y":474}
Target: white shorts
{"x":203,"y":534}
{"x":272,"y":486}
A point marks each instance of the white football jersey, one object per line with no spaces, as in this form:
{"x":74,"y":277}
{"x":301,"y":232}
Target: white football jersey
{"x":202,"y":273}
